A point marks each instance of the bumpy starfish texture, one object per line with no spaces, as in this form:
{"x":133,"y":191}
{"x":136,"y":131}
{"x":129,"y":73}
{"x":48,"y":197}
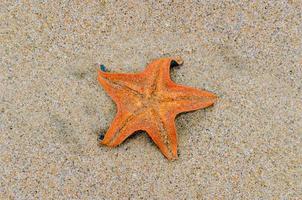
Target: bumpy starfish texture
{"x":149,"y":101}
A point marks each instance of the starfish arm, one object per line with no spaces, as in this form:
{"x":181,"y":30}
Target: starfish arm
{"x":130,"y":82}
{"x":163,"y":66}
{"x":161,"y":130}
{"x":158,"y":73}
{"x":183,"y":99}
{"x":163,"y":134}
{"x":117,"y":84}
{"x":126,"y":97}
{"x":117,"y":124}
{"x":122,"y":127}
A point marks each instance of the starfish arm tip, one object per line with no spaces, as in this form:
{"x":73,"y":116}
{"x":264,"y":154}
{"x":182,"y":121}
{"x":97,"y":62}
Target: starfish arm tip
{"x":172,"y":157}
{"x":214,"y":98}
{"x":178,"y":60}
{"x":100,"y":73}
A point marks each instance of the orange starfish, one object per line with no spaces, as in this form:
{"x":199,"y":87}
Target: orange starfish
{"x":149,"y":101}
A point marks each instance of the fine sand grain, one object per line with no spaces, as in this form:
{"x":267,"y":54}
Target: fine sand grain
{"x":248,"y":146}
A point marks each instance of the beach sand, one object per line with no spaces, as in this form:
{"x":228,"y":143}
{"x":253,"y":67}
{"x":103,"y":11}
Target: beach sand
{"x":247,"y":146}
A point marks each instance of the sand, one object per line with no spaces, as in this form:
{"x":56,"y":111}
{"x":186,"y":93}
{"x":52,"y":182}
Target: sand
{"x":248,"y":146}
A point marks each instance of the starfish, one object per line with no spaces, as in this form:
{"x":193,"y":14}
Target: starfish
{"x":149,"y":101}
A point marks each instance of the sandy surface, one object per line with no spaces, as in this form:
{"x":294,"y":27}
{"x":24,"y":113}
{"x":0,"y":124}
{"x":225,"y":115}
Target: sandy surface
{"x":248,"y":146}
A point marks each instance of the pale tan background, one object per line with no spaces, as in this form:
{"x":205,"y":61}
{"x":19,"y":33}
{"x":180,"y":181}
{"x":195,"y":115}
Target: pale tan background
{"x":248,"y":146}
